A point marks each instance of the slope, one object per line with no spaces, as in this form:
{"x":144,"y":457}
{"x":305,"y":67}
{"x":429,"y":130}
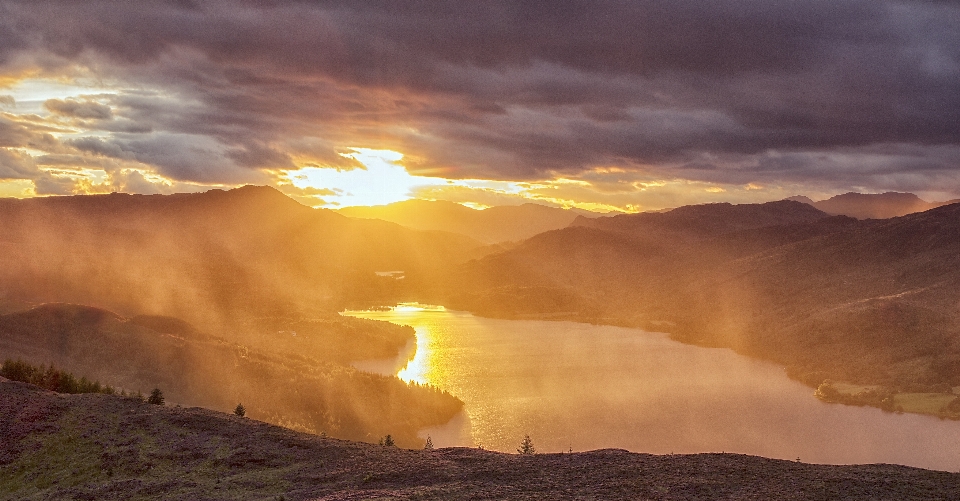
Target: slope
{"x":107,"y":447}
{"x":300,"y":381}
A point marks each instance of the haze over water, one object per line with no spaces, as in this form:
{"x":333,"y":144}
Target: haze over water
{"x":583,"y":387}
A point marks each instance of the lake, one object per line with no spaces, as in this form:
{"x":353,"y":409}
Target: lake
{"x":574,"y":386}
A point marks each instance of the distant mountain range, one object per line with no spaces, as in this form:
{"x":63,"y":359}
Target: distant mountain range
{"x":219,"y":298}
{"x":208,"y":257}
{"x":830,"y":297}
{"x":705,"y":221}
{"x":868,"y":302}
{"x":492,"y":225}
{"x":872,"y":206}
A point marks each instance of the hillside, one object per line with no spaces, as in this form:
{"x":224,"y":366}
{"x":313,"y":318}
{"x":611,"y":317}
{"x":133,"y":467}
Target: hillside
{"x":270,"y":378}
{"x":872,"y":206}
{"x":107,"y":447}
{"x":871,"y":302}
{"x":210,"y":258}
{"x":492,"y":225}
{"x":707,"y":220}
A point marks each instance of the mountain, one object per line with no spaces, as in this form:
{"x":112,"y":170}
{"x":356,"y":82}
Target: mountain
{"x":493,"y":225}
{"x":221,"y":297}
{"x":270,"y":378}
{"x":801,"y":199}
{"x":872,"y":206}
{"x":92,"y":446}
{"x":707,"y":220}
{"x":215,"y":257}
{"x":831,"y":298}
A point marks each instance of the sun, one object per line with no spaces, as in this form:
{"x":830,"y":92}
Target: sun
{"x":383,"y":180}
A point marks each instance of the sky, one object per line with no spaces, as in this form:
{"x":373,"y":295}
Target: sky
{"x":600,"y":104}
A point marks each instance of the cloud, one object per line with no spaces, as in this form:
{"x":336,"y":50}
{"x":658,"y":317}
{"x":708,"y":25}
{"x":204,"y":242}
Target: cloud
{"x":47,"y":184}
{"x":727,"y":91}
{"x":97,"y":146}
{"x":78,"y":109}
{"x":183,"y":157}
{"x":135,"y":182}
{"x":15,"y":165}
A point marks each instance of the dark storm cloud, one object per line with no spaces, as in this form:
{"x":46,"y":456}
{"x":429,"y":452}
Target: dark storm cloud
{"x":513,"y":89}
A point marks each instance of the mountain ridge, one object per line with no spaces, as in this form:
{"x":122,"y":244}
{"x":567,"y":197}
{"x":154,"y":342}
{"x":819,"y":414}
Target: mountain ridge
{"x":167,"y":254}
{"x":880,"y":295}
{"x":493,"y":225}
{"x":708,"y":219}
{"x":872,"y":205}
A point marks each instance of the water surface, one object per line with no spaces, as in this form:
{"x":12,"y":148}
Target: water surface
{"x":583,"y":387}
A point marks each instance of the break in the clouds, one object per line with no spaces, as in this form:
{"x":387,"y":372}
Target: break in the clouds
{"x":821,"y":96}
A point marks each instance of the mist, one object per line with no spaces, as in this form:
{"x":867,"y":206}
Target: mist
{"x":218,"y":299}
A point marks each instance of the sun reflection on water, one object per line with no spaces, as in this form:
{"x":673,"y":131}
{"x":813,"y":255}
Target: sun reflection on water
{"x":589,"y":387}
{"x":418,"y":369}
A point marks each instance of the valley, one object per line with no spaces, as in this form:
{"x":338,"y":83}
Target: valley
{"x":228,"y":297}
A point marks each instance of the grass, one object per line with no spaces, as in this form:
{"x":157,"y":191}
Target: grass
{"x":78,"y":453}
{"x":854,"y":389}
{"x":923,"y":403}
{"x":63,"y":459}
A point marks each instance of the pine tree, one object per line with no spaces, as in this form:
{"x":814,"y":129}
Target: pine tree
{"x":526,"y":446}
{"x":156,"y":397}
{"x":429,"y":444}
{"x":240,"y":410}
{"x":387,"y":441}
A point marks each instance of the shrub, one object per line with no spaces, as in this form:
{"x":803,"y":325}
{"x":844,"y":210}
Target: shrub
{"x":240,"y":410}
{"x":156,"y":397}
{"x":429,"y":445}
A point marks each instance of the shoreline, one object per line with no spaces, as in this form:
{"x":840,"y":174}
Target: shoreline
{"x":941,"y":405}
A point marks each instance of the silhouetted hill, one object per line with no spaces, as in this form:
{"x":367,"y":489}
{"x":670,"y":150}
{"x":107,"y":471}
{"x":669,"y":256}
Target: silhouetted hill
{"x":492,"y":225}
{"x":271,"y":378}
{"x":801,"y":199}
{"x":868,"y":302}
{"x":703,"y":221}
{"x":872,"y":206}
{"x":113,"y":448}
{"x":217,"y":256}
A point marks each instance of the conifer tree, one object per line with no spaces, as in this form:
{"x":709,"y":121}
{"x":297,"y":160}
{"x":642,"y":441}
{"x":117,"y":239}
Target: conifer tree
{"x":240,"y":410}
{"x":156,"y":397}
{"x":526,"y":446}
{"x":429,"y":444}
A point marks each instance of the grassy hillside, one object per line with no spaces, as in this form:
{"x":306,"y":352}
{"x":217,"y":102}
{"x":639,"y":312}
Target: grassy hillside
{"x":111,"y":448}
{"x":300,"y":381}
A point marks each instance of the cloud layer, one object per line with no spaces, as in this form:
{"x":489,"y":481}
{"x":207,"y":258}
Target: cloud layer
{"x":831,"y":95}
